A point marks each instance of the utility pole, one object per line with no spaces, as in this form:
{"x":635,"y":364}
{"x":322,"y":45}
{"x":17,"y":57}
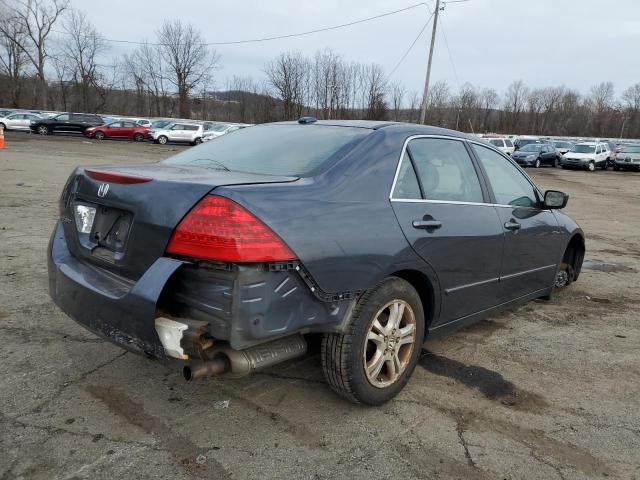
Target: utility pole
{"x":423,"y":110}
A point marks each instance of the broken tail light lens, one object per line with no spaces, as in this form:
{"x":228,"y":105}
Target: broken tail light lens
{"x":220,"y":229}
{"x":84,"y":216}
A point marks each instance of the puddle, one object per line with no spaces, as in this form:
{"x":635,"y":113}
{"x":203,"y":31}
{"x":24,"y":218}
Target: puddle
{"x":489,"y":383}
{"x":608,"y":267}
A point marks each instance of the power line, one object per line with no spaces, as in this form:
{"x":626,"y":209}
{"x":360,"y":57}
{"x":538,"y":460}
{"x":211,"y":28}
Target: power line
{"x":415,"y":40}
{"x":278,"y":37}
{"x":446,"y":42}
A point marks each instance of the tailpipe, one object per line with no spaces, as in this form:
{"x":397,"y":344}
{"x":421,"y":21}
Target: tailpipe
{"x":217,"y":366}
{"x":238,"y":363}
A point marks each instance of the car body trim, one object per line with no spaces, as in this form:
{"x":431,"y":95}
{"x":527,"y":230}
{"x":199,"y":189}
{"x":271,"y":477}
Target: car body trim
{"x":525,"y":272}
{"x":451,"y":290}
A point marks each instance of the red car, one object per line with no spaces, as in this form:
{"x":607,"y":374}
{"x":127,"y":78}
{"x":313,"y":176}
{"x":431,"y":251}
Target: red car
{"x":120,"y":129}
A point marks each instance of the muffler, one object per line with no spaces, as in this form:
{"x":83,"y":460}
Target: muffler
{"x":238,"y":363}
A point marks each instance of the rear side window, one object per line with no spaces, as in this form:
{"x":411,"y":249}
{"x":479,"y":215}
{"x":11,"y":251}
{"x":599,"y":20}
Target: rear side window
{"x":191,"y":127}
{"x":508,"y":143}
{"x":445,"y":170}
{"x":274,"y":149}
{"x":407,"y":187}
{"x":510,"y":186}
{"x":497,"y":143}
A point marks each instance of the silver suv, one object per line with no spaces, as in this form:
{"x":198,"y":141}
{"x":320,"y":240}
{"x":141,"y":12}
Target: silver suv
{"x":178,"y":132}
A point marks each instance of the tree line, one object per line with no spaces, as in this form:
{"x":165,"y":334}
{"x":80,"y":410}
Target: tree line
{"x":53,"y":58}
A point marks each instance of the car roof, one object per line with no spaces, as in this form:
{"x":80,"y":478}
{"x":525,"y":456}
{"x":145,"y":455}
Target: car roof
{"x":396,"y":127}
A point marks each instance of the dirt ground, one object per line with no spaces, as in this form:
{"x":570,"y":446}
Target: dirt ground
{"x":551,"y":390}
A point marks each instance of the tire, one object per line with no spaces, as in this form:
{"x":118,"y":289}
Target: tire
{"x":556,"y":162}
{"x":197,"y":141}
{"x":563,"y":167}
{"x":3,"y":126}
{"x":162,"y":140}
{"x":537,"y":164}
{"x":138,"y":137}
{"x":99,"y":135}
{"x":43,"y":130}
{"x":564,"y":277}
{"x":591,"y":167}
{"x":344,"y":356}
{"x":605,"y":165}
{"x":616,"y":168}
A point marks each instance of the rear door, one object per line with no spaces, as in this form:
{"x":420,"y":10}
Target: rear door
{"x":533,"y":240}
{"x":128,"y":129}
{"x":445,"y":216}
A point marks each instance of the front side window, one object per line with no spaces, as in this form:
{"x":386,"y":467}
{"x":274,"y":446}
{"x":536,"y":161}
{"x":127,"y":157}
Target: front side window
{"x":510,"y":186}
{"x":508,"y":143}
{"x":63,"y":118}
{"x":445,"y":170}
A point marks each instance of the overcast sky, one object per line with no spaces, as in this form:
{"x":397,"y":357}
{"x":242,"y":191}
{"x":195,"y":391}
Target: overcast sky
{"x":545,"y":42}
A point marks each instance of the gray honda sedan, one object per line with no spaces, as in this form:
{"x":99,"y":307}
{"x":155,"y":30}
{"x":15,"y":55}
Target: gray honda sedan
{"x":376,"y":235}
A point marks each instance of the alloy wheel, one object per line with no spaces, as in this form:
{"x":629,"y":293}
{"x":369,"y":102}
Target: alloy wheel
{"x":591,"y":166}
{"x":389,"y":343}
{"x":43,"y":130}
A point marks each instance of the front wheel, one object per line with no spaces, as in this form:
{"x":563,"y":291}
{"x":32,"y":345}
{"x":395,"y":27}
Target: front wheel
{"x":99,"y":135}
{"x":537,"y":164}
{"x":162,"y":140}
{"x":556,"y":162}
{"x":591,"y":167}
{"x":616,"y":168}
{"x":372,"y":361}
{"x":3,"y":126}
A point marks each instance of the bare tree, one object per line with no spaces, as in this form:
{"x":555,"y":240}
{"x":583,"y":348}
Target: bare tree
{"x":81,"y":49}
{"x":288,"y":76}
{"x":190,"y":61}
{"x":515,"y":101}
{"x":12,"y":57}
{"x":376,"y":108}
{"x":36,"y":18}
{"x":397,"y":93}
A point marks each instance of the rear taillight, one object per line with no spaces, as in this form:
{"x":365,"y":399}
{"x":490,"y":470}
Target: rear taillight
{"x":116,"y":177}
{"x":220,"y":229}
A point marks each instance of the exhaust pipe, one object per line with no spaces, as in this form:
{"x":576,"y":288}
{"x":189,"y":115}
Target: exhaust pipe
{"x":238,"y":363}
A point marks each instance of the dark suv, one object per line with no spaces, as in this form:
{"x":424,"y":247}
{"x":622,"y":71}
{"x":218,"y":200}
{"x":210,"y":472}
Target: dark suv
{"x":66,"y":122}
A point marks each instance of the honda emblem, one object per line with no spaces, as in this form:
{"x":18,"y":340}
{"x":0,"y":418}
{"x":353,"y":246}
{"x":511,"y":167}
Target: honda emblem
{"x":103,"y":189}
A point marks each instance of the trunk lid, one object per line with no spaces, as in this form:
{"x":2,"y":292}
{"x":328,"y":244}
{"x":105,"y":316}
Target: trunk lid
{"x":134,"y":221}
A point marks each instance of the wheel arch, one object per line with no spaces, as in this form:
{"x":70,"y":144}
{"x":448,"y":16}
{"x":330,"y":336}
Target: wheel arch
{"x":425,"y":289}
{"x":574,"y":253}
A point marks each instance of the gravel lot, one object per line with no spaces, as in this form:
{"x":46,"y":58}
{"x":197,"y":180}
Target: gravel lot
{"x":551,"y":390}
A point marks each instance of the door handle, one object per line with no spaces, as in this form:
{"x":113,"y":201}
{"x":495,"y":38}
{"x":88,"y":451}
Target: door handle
{"x":512,"y":225}
{"x":427,"y":224}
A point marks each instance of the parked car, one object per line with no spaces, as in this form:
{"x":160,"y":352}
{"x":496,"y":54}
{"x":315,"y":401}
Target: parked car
{"x":224,"y":256}
{"x":5,"y":112}
{"x":218,"y":129}
{"x":612,"y":147}
{"x":66,"y":122}
{"x":177,"y":132}
{"x":158,"y":124}
{"x":562,"y":146}
{"x":505,"y":145}
{"x":588,"y":155}
{"x":121,"y":129}
{"x":536,"y":155}
{"x":520,"y":142}
{"x":18,"y":121}
{"x":628,"y":158}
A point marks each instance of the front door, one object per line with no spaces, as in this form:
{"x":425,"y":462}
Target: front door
{"x":533,"y":239}
{"x":445,"y":217}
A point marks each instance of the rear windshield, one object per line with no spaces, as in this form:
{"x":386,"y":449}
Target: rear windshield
{"x":293,"y":150}
{"x":583,"y":149}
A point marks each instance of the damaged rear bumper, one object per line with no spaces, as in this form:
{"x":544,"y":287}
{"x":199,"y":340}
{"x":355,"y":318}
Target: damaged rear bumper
{"x":239,"y":306}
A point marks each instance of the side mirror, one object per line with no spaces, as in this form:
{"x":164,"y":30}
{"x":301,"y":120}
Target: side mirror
{"x":555,"y":200}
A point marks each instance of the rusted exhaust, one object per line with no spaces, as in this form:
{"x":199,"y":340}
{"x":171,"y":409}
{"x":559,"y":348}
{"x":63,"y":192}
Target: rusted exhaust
{"x":217,"y":366}
{"x":238,"y":363}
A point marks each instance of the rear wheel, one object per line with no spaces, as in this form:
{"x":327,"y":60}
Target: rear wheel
{"x":99,"y":135}
{"x":138,"y":137}
{"x":43,"y":130}
{"x":162,"y":140}
{"x":605,"y":165}
{"x":374,"y":359}
{"x":197,"y":141}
